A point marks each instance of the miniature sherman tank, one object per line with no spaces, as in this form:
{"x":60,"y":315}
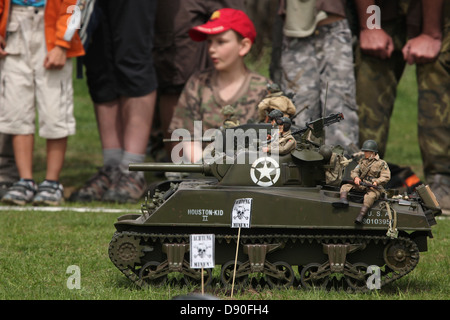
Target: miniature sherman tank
{"x":293,"y":225}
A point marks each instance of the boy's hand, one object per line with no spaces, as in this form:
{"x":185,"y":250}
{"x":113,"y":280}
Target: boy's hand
{"x":3,"y":53}
{"x":56,"y":58}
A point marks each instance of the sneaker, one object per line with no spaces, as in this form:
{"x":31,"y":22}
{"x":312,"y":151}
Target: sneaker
{"x":97,"y":185}
{"x":49,"y":193}
{"x":4,"y":186}
{"x":129,"y":189}
{"x":20,"y":193}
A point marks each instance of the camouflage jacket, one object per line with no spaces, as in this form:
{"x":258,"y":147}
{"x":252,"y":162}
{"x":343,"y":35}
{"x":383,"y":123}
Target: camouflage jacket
{"x":200,"y":101}
{"x":372,"y":170}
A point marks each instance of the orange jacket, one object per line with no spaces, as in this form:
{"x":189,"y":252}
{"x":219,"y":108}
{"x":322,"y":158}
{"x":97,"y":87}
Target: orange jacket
{"x":58,"y":32}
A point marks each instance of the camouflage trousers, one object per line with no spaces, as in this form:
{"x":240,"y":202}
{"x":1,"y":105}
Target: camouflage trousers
{"x":376,"y":83}
{"x":319,"y":70}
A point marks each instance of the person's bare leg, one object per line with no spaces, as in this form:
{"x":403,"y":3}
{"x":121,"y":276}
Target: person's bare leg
{"x":137,"y":116}
{"x":56,"y":152}
{"x":23,"y":152}
{"x":22,"y":193}
{"x":109,"y":124}
{"x":167,"y":104}
{"x":110,"y":127}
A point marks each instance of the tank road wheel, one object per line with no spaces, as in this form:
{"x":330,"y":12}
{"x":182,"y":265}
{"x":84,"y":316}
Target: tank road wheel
{"x":311,"y":278}
{"x":285,"y":277}
{"x":153,"y":273}
{"x":226,"y":275}
{"x":359,"y":279}
{"x":400,"y":257}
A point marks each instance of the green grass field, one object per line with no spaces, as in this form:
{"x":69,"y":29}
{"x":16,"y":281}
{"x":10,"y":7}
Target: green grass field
{"x":38,"y":247}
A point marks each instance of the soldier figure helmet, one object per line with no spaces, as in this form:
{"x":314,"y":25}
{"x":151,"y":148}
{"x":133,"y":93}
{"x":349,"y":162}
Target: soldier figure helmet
{"x":326,"y":152}
{"x":228,"y":110}
{"x":370,"y":145}
{"x":275,"y":114}
{"x":285,"y":122}
{"x":273,"y":87}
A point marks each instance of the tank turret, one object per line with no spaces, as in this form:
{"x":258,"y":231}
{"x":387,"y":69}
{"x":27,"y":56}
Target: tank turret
{"x":301,"y":168}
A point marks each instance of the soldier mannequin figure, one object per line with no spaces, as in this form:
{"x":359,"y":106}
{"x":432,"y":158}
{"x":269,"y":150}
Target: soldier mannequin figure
{"x":272,"y":118}
{"x":230,"y":120}
{"x":286,"y":142}
{"x":275,"y":100}
{"x":370,"y":169}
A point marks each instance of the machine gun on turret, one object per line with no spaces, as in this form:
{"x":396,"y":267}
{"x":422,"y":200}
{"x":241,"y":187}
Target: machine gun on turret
{"x":316,"y":126}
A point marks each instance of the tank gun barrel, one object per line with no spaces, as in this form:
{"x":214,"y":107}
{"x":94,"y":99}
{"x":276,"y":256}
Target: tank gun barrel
{"x":317,"y":125}
{"x":209,"y":139}
{"x":170,"y":167}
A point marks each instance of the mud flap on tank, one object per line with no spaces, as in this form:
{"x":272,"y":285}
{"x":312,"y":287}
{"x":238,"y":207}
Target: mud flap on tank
{"x":175,"y":255}
{"x":257,"y":254}
{"x":278,"y":274}
{"x":337,"y":254}
{"x":176,"y":262}
{"x":318,"y":275}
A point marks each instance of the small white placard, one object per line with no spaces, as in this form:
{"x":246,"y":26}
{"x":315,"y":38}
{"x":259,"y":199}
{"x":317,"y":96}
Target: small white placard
{"x":241,"y":214}
{"x":202,"y":251}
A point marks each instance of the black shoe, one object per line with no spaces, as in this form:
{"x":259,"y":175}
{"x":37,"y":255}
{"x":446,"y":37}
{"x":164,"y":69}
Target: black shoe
{"x":343,"y":202}
{"x":362,"y":214}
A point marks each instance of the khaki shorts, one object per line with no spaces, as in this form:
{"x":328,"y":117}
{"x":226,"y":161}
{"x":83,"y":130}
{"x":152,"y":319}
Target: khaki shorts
{"x":25,"y":85}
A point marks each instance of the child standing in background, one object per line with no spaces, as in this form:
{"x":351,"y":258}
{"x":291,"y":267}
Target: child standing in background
{"x":37,"y":40}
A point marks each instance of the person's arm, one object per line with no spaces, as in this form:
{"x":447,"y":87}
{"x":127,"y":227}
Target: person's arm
{"x":287,"y":147}
{"x":67,"y":25}
{"x":426,"y":47}
{"x":55,"y":58}
{"x":375,"y":42}
{"x":193,"y":151}
{"x":354,"y":174}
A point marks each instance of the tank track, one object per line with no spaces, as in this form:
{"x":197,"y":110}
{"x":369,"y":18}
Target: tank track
{"x":401,"y":255}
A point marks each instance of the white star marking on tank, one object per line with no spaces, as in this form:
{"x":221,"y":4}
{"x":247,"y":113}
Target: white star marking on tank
{"x":265,"y":171}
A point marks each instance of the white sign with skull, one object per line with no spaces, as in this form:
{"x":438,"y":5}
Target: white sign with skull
{"x":241,"y":214}
{"x":202,"y":251}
